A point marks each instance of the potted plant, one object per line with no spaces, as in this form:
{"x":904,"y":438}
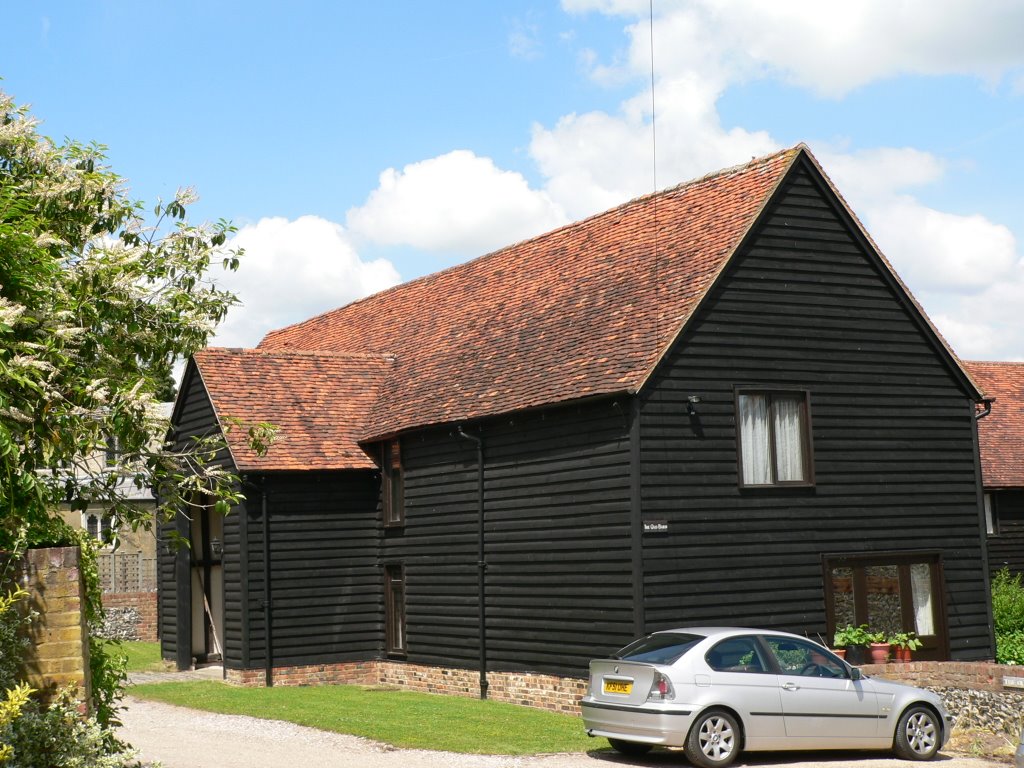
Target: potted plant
{"x":904,"y":643}
{"x":880,"y":647}
{"x":852,"y":640}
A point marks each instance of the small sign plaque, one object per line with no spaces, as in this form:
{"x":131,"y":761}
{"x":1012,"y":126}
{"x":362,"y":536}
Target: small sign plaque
{"x":656,"y":526}
{"x":1013,"y":682}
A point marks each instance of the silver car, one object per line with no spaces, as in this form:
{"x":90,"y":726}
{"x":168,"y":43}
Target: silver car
{"x":716,"y":691}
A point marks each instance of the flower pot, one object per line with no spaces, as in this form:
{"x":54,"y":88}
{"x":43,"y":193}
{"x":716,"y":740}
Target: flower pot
{"x":856,"y":654}
{"x":902,"y":654}
{"x":880,"y":653}
{"x":840,"y":652}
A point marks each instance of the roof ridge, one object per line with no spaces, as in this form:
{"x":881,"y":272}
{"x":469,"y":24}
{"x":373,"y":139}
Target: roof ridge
{"x":293,"y":352}
{"x":434,"y":276}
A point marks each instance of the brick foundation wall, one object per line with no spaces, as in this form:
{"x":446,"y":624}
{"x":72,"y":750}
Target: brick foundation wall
{"x":59,"y":653}
{"x":558,"y":694}
{"x":975,"y":675}
{"x":141,"y":606}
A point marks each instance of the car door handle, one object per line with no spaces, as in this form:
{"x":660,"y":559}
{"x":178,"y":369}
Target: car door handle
{"x":791,"y":687}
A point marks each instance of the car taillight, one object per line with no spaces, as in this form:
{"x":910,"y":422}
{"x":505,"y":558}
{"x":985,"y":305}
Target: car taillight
{"x":661,"y":689}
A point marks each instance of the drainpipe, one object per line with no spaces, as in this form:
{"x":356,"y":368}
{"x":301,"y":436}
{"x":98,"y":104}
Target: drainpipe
{"x":987,"y":402}
{"x":268,"y":615}
{"x":481,"y":563}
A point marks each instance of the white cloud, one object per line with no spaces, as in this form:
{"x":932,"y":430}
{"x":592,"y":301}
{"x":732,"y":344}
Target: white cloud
{"x":456,"y":203}
{"x":292,"y":270}
{"x":829,"y":48}
{"x":597,"y":160}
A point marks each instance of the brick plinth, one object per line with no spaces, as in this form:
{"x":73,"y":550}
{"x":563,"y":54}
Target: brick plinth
{"x":973,"y":675}
{"x":558,"y":694}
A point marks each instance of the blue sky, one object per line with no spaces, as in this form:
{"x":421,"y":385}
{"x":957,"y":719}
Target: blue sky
{"x":360,"y":144}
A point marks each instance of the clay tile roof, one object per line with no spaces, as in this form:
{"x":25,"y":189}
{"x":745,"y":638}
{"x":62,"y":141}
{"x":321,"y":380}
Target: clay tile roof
{"x":584,"y":310}
{"x":1001,"y":433}
{"x":318,"y":401}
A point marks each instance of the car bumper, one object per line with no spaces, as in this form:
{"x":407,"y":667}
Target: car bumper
{"x":648,"y":724}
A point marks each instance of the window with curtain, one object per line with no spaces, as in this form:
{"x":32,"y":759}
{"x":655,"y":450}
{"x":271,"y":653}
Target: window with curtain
{"x":774,"y":438}
{"x":890,"y":592}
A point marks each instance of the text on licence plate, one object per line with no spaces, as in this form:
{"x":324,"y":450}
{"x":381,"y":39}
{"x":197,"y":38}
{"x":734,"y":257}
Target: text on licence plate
{"x":617,"y":686}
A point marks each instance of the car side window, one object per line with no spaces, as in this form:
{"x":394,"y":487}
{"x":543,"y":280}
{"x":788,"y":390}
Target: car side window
{"x":737,"y":654}
{"x":805,"y":659}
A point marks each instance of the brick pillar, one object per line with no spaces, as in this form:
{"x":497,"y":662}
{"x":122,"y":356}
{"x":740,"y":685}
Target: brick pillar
{"x":59,"y":654}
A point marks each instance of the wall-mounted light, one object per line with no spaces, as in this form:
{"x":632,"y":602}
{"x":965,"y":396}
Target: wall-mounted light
{"x":216,"y":547}
{"x":691,"y":402}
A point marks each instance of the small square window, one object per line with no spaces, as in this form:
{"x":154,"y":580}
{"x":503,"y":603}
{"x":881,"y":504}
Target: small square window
{"x":392,"y":484}
{"x":774,"y":438}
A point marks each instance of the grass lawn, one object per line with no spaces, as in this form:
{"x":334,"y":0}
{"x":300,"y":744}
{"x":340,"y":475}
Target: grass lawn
{"x":402,"y":718}
{"x":142,"y":657}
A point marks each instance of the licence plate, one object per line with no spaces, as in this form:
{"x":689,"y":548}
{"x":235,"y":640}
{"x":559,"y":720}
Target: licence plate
{"x":618,"y":686}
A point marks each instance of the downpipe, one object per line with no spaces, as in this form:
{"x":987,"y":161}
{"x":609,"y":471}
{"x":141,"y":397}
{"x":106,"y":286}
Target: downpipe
{"x":481,"y":561}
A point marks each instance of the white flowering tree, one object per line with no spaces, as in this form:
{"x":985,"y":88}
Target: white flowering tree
{"x":97,"y":302}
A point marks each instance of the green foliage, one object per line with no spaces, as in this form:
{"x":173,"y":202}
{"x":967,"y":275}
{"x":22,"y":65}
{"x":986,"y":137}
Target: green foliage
{"x":402,"y":718}
{"x":904,"y":640}
{"x":96,"y":304}
{"x":851,"y":635}
{"x":1008,"y":617}
{"x":56,"y":735}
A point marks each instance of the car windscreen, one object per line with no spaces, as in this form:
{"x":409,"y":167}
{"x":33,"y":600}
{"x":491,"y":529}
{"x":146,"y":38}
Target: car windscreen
{"x":659,"y":648}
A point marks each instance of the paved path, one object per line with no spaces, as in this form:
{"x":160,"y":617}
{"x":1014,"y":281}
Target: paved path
{"x":186,"y":738}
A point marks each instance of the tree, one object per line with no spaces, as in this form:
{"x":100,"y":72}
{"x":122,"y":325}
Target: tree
{"x":96,"y":305}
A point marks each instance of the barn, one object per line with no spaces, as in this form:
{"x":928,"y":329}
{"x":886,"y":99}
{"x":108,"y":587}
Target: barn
{"x":716,"y":404}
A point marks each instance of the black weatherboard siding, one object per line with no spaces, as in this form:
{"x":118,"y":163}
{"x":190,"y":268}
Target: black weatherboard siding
{"x":1006,"y":546}
{"x":556,"y":498}
{"x":804,"y":305}
{"x":326,"y":591}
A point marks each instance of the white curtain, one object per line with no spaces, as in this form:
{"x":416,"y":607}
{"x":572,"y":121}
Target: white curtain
{"x":789,"y":445}
{"x":921,"y":583}
{"x":754,"y":440}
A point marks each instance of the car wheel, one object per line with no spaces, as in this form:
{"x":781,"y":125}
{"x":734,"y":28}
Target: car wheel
{"x":918,"y":734}
{"x":714,"y":739}
{"x":633,"y":748}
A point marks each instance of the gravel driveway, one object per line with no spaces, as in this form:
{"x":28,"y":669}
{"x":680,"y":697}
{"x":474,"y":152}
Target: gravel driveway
{"x":187,"y":738}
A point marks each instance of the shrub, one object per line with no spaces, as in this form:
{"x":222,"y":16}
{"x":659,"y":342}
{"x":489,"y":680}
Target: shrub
{"x":1008,"y":617}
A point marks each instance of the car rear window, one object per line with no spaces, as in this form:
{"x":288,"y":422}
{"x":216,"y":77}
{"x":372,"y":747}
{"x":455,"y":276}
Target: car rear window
{"x":659,"y":648}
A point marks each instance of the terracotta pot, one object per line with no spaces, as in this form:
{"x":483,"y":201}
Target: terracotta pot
{"x":902,"y":654}
{"x":880,"y":653}
{"x":840,"y":652}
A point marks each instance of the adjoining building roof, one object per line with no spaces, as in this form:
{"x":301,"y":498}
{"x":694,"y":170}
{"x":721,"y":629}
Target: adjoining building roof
{"x":318,"y":401}
{"x":584,"y":310}
{"x":1001,"y":433}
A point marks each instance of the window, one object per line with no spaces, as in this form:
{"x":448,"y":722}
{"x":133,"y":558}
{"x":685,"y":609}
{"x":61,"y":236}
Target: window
{"x":774,"y":438}
{"x":394,"y":607}
{"x":805,"y":659}
{"x":991,"y":518}
{"x":98,"y":527}
{"x":659,"y":648}
{"x":737,"y":654}
{"x":392,"y":484}
{"x":890,"y":593}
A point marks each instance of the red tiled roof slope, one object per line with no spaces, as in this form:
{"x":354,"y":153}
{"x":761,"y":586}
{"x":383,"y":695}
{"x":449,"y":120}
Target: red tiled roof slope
{"x":1001,"y":433}
{"x":319,"y":403}
{"x":584,"y":310}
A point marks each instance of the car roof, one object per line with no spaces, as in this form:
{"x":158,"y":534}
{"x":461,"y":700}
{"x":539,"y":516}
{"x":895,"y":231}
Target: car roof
{"x":711,"y":632}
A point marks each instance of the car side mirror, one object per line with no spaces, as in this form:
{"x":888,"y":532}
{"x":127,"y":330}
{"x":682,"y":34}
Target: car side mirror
{"x":855,"y":673}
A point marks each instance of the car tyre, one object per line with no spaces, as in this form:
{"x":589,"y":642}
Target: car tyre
{"x":632,"y":748}
{"x":918,"y":734}
{"x":713,"y":740}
